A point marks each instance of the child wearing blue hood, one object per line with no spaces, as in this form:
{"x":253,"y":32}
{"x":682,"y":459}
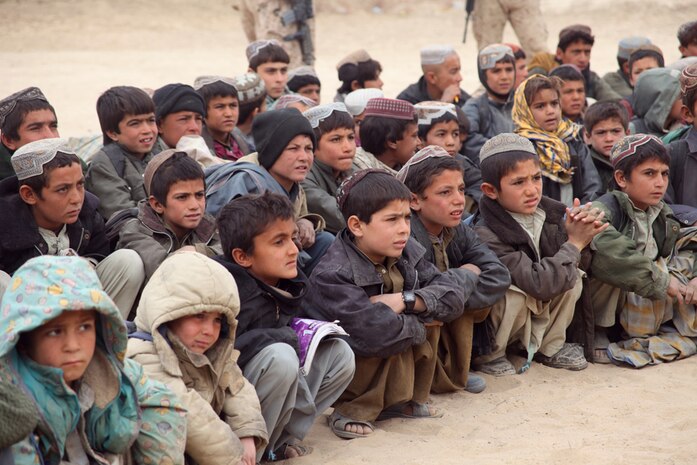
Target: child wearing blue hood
{"x":63,"y":344}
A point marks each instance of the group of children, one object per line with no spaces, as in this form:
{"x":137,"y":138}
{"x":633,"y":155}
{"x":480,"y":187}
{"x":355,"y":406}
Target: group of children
{"x":150,"y":295}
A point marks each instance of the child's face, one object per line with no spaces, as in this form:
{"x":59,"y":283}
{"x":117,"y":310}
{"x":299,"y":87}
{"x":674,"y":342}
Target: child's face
{"x":675,"y":114}
{"x":442,"y":202}
{"x":61,"y":199}
{"x":387,"y":232}
{"x":294,"y":163}
{"x":337,"y":148}
{"x":640,"y":66}
{"x":66,"y":342}
{"x":521,"y":188}
{"x":690,"y":50}
{"x":605,"y":134}
{"x":373,"y":83}
{"x":182,"y":123}
{"x":501,"y":78}
{"x":546,"y":109}
{"x":521,"y":71}
{"x":222,"y":114}
{"x":37,"y":125}
{"x":578,"y":53}
{"x":137,"y":133}
{"x":311,"y":91}
{"x":405,"y":148}
{"x":275,"y":76}
{"x":648,"y":183}
{"x":573,"y":98}
{"x":198,"y":332}
{"x":186,"y":204}
{"x":445,"y":135}
{"x":275,"y":254}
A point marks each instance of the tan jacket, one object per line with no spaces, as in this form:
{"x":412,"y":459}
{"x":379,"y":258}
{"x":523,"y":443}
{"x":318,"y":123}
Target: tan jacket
{"x":222,"y":404}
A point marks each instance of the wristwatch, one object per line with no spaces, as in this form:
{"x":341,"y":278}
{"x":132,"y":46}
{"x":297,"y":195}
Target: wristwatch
{"x":409,"y":299}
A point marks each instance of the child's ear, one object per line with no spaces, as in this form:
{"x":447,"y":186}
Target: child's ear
{"x":558,"y":54}
{"x":112,"y":135}
{"x":586,"y":136}
{"x":156,"y":205}
{"x":355,"y":85}
{"x":355,"y":226}
{"x":686,"y":114}
{"x":414,"y":202}
{"x":391,"y":145}
{"x":490,"y":191}
{"x":9,"y":143}
{"x":28,"y":195}
{"x":620,"y":179}
{"x":241,"y":258}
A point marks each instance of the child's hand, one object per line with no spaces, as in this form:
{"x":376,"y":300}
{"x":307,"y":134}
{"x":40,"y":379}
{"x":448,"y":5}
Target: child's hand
{"x":250,"y":451}
{"x":473,"y":268}
{"x":450,"y":92}
{"x":676,"y":289}
{"x":583,"y":223}
{"x":394,"y":301}
{"x":306,"y":233}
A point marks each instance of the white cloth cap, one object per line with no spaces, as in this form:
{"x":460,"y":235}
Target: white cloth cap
{"x":430,"y":110}
{"x":435,"y":54}
{"x":357,"y":100}
{"x":203,"y":81}
{"x":29,"y":160}
{"x":319,"y":113}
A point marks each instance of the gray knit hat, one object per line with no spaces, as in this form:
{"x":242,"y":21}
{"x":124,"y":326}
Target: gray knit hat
{"x":18,"y":413}
{"x":505,"y":143}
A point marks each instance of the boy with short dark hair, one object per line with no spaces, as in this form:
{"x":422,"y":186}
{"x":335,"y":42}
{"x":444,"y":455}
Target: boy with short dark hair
{"x":687,"y":36}
{"x":572,"y":93}
{"x":377,"y":282}
{"x":641,"y":268}
{"x":251,"y":93}
{"x":258,"y":236}
{"x":304,"y":81}
{"x":437,"y":204}
{"x":605,"y":124}
{"x":657,"y":104}
{"x":540,"y":241}
{"x":173,"y":216}
{"x":25,"y":116}
{"x":356,"y":71}
{"x":270,"y":61}
{"x":389,"y":135}
{"x":46,"y":211}
{"x":127,"y":118}
{"x":644,"y":58}
{"x":521,"y":63}
{"x":619,"y":80}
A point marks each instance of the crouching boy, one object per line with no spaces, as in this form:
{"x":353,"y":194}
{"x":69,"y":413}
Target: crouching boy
{"x":186,"y":331}
{"x":64,"y":344}
{"x":258,"y":232}
{"x":377,"y":282}
{"x":540,"y":241}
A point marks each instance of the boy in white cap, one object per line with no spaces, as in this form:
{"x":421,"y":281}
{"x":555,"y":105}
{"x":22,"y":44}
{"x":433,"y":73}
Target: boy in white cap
{"x":619,"y":80}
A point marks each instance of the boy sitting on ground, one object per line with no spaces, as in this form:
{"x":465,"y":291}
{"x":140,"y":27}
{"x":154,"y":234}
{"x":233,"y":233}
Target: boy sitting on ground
{"x":605,"y":124}
{"x":115,"y":176}
{"x":258,"y":233}
{"x":269,"y":60}
{"x":304,"y":81}
{"x":572,"y":93}
{"x":179,"y":111}
{"x":619,"y":80}
{"x":437,"y":205}
{"x":687,"y":36}
{"x":173,"y":216}
{"x":46,"y":211}
{"x":357,"y":71}
{"x":63,"y":345}
{"x":540,"y":241}
{"x":378,"y":283}
{"x":185,"y":339}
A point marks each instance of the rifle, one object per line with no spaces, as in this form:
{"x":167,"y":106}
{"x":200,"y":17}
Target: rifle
{"x":469,"y":7}
{"x":299,"y":13}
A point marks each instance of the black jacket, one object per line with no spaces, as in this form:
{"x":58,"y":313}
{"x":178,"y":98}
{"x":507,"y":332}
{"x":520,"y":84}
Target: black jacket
{"x":417,"y":92}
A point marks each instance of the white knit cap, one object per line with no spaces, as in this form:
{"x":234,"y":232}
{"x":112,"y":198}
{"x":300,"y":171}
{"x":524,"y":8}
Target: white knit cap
{"x":435,"y":54}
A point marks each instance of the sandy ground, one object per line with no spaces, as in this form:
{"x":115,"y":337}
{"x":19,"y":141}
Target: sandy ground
{"x":75,"y":49}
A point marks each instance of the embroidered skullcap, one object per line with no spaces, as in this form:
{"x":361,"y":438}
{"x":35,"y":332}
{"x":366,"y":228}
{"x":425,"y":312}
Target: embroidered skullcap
{"x":353,"y":58}
{"x":574,"y":28}
{"x":342,"y":194}
{"x":688,"y":78}
{"x":302,"y":71}
{"x":152,"y":166}
{"x":629,"y":44}
{"x":255,"y":47}
{"x":425,"y":153}
{"x":29,"y":160}
{"x":505,"y":143}
{"x":203,"y":81}
{"x":430,"y":110}
{"x":321,"y":112}
{"x":8,"y":104}
{"x":389,"y":108}
{"x":491,"y":54}
{"x":435,"y":54}
{"x":357,"y":100}
{"x":249,"y":87}
{"x":285,"y":101}
{"x":628,"y":145}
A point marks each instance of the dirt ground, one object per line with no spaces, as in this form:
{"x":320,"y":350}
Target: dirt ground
{"x":75,"y":49}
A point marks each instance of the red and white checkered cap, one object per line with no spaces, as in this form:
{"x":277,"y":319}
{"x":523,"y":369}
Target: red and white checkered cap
{"x":390,"y":108}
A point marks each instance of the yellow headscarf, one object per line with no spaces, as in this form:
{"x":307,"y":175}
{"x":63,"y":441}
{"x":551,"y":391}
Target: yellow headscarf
{"x":551,"y":146}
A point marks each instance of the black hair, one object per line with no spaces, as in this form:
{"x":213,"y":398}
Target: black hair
{"x":420,"y":176}
{"x":338,"y":119}
{"x":573,"y":37}
{"x":247,"y":108}
{"x":601,"y":111}
{"x":687,"y":33}
{"x":425,"y":128}
{"x":377,"y":131}
{"x":298,"y":82}
{"x":497,"y":166}
{"x":179,"y":167}
{"x":519,"y":53}
{"x":373,"y":193}
{"x":38,"y":182}
{"x":362,"y":72}
{"x":14,"y":120}
{"x":462,"y":120}
{"x":244,"y":218}
{"x":689,"y":98}
{"x":115,"y":103}
{"x":271,"y":53}
{"x":645,"y":53}
{"x":217,"y":89}
{"x":652,"y":150}
{"x":567,"y":73}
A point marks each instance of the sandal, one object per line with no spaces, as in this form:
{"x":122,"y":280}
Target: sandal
{"x":600,"y":356}
{"x":497,"y":367}
{"x":282,"y":452}
{"x":417,"y":409}
{"x":338,"y":422}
